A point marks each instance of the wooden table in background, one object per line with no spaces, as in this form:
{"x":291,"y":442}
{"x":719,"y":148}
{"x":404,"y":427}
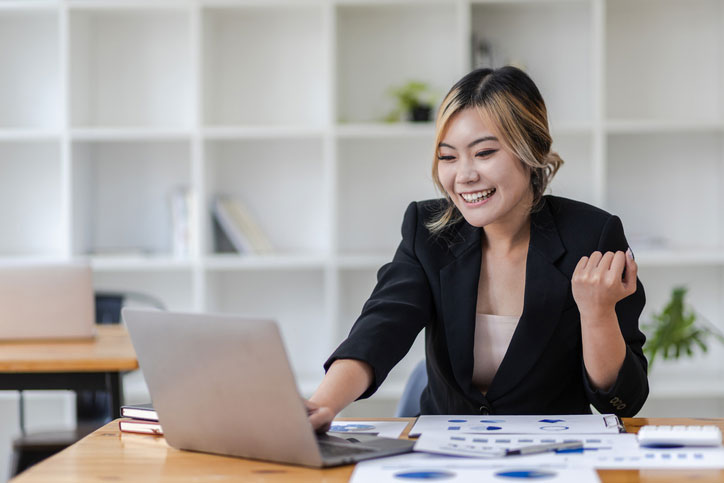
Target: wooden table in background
{"x":72,"y":365}
{"x":109,"y":455}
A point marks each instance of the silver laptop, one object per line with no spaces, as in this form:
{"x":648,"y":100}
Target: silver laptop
{"x":222,"y":384}
{"x":46,"y":301}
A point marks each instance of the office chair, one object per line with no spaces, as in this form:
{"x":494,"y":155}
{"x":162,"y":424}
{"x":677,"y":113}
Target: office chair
{"x":92,"y":407}
{"x":409,"y":404}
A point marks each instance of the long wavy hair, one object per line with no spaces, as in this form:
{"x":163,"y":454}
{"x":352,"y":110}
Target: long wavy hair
{"x":509,"y":99}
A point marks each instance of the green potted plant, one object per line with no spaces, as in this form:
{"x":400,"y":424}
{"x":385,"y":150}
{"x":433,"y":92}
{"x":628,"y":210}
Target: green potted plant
{"x":414,"y":102}
{"x":677,"y":330}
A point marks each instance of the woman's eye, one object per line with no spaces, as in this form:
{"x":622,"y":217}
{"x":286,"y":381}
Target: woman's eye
{"x":486,"y":152}
{"x":445,"y":158}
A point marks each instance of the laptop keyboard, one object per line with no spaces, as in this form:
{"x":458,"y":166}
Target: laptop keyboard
{"x":332,"y":449}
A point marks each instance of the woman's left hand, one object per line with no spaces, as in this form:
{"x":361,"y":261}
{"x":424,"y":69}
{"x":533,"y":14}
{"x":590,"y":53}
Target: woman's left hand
{"x":599,"y":282}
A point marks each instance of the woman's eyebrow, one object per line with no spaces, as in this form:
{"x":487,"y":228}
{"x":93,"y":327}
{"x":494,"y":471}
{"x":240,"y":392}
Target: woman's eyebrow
{"x":480,"y":140}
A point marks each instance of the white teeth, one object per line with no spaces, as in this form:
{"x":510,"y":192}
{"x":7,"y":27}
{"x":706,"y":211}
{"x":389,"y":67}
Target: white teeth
{"x":473,"y":197}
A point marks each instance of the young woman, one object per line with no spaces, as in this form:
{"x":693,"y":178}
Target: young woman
{"x":530,"y":302}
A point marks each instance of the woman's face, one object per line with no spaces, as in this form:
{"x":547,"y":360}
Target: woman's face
{"x":487,"y":183}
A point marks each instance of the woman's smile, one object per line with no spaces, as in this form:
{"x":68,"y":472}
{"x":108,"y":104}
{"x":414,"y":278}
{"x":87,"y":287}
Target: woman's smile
{"x":476,"y":198}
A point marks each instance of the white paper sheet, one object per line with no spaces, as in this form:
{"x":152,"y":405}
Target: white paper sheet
{"x":608,"y":451}
{"x":574,"y":424}
{"x":491,"y":445}
{"x":643,"y":458}
{"x":420,"y":466}
{"x":386,"y":429}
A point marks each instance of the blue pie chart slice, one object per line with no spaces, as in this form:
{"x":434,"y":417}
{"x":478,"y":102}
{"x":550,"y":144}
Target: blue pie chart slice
{"x":486,"y":428}
{"x":532,"y":474}
{"x":554,"y":428}
{"x":425,"y":475}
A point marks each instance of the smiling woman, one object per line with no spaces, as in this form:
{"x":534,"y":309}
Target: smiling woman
{"x":530,"y":302}
{"x":484,"y":113}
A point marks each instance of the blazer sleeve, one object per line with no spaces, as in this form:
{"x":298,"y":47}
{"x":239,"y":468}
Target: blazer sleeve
{"x":399,"y":307}
{"x":631,"y":388}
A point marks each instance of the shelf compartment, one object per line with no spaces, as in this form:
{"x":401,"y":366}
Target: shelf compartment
{"x":24,"y":135}
{"x":295,"y":299}
{"x":377,"y":179}
{"x":634,"y":126}
{"x":424,"y":130}
{"x":551,"y":41}
{"x":384,"y":46}
{"x":679,"y":205}
{"x":131,"y":263}
{"x":680,"y":256}
{"x":129,"y":134}
{"x":281,"y":183}
{"x":122,"y":196}
{"x":355,"y":288}
{"x":691,"y":387}
{"x":655,"y":89}
{"x":31,"y":198}
{"x":261,"y":132}
{"x":30,"y":76}
{"x":233,"y":262}
{"x":116,"y":5}
{"x":29,"y":6}
{"x":704,"y":285}
{"x":362,"y":262}
{"x":285,"y":83}
{"x":575,"y":177}
{"x":172,"y":288}
{"x":130,"y":68}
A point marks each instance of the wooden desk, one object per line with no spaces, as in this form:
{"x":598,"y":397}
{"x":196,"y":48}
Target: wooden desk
{"x":109,"y":455}
{"x":73,"y":365}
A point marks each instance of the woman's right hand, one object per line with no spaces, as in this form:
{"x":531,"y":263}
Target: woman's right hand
{"x":345,"y":381}
{"x":320,"y":417}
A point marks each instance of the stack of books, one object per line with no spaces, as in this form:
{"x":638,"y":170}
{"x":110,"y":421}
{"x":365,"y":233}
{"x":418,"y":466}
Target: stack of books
{"x":141,"y":419}
{"x":236,"y":230}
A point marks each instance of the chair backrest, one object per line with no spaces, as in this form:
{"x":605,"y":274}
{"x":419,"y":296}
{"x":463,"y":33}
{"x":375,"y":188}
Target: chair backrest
{"x":409,"y":405}
{"x":108,"y":307}
{"x":109,"y":304}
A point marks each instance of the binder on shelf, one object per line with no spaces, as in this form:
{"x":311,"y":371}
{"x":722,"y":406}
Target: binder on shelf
{"x":182,"y":204}
{"x":236,"y":229}
{"x":143,"y":412}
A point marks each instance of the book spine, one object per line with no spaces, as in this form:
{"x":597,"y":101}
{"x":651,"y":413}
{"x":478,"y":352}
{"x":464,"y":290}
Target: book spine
{"x":231,"y":229}
{"x":139,"y":427}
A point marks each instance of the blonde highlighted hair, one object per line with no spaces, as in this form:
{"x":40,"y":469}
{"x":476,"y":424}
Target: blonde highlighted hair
{"x":510,"y":100}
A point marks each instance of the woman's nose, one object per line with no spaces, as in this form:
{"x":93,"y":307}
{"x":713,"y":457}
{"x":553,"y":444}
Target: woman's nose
{"x":467,"y":173}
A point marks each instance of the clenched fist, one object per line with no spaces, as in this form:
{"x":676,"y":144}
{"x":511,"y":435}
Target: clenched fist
{"x":599,"y":282}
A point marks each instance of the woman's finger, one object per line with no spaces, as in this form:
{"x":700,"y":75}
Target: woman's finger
{"x":320,"y":420}
{"x":632,"y":269}
{"x":605,"y":264}
{"x":617,"y":265}
{"x":593,"y":261}
{"x":581,"y":265}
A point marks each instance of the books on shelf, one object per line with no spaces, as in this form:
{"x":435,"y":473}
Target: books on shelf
{"x":182,"y":205}
{"x":143,"y":419}
{"x":236,"y":229}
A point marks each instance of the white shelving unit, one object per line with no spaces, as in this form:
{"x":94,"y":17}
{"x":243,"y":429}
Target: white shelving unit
{"x":108,"y":106}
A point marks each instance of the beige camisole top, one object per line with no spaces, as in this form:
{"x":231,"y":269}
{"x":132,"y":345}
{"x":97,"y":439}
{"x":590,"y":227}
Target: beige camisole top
{"x":492,"y":338}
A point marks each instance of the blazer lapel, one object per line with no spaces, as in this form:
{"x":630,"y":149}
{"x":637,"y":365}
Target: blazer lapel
{"x":546,"y":290}
{"x":459,"y":295}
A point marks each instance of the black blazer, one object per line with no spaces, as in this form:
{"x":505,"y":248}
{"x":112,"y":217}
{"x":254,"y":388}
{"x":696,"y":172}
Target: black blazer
{"x":432,"y":283}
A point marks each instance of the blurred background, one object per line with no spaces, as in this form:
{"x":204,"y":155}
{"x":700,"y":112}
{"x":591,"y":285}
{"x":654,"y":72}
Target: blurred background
{"x":256,"y":157}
